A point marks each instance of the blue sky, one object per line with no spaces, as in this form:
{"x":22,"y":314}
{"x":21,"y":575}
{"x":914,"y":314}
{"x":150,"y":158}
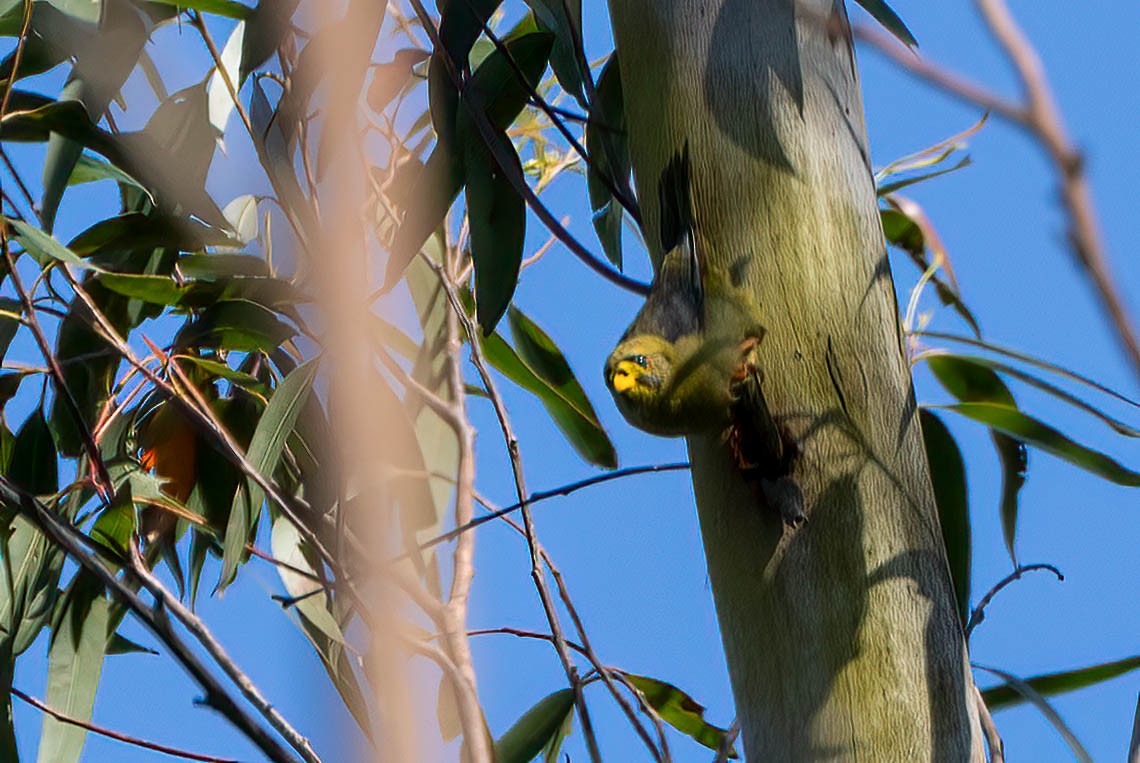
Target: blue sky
{"x":630,"y":551}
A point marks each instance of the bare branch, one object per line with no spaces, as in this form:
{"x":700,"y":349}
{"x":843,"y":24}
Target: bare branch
{"x":1040,"y":117}
{"x":979,"y":612}
{"x":993,"y":739}
{"x":116,"y":735}
{"x":73,"y":543}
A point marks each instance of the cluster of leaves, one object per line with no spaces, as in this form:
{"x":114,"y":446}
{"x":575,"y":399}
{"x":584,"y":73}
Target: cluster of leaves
{"x":978,"y":383}
{"x":172,"y":260}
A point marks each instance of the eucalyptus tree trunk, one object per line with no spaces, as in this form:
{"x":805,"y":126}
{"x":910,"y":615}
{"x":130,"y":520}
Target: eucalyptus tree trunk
{"x":841,"y":636}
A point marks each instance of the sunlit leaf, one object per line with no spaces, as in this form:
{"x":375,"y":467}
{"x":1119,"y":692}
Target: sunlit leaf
{"x":226,"y":8}
{"x":680,"y":711}
{"x":580,"y":426}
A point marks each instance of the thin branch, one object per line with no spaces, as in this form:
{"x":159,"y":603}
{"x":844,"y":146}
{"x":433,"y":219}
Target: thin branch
{"x":1040,"y":117}
{"x":622,"y":192}
{"x":102,"y":477}
{"x":730,"y":735}
{"x":194,"y":624}
{"x":487,"y":132}
{"x":989,"y":729}
{"x":544,"y":495}
{"x":1134,"y":746}
{"x":72,"y":542}
{"x":979,"y":612}
{"x":116,"y":735}
{"x":537,"y":574}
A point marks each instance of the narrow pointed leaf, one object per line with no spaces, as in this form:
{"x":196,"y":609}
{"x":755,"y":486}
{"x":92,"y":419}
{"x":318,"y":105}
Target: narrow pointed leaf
{"x":497,"y":219}
{"x":525,"y":740}
{"x":890,"y":20}
{"x":1040,"y":435}
{"x":948,"y":478}
{"x":1050,"y":684}
{"x":1033,"y":696}
{"x":680,"y":711}
{"x":264,"y":454}
{"x":608,"y":147}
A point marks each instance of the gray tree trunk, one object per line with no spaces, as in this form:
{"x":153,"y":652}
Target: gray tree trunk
{"x":841,"y":636}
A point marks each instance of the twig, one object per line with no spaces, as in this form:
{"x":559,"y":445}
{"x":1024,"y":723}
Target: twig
{"x":730,"y":735}
{"x":520,"y":633}
{"x":194,"y":624}
{"x":454,"y":618}
{"x":116,"y":735}
{"x":1040,"y":117}
{"x":979,"y":612}
{"x":621,"y":193}
{"x":73,"y":543}
{"x":487,"y":132}
{"x":993,"y":739}
{"x":1134,"y":746}
{"x":520,"y":487}
{"x":544,"y":495}
{"x":102,"y":479}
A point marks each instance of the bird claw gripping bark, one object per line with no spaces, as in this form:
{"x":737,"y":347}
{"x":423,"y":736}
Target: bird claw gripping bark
{"x":761,"y":449}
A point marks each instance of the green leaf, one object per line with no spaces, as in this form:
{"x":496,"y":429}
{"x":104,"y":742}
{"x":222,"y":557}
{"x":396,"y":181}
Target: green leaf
{"x":461,"y":23}
{"x":120,"y":644}
{"x":897,"y":185}
{"x":525,"y":740}
{"x":563,"y":18}
{"x":541,"y":354}
{"x":75,"y":662}
{"x":266,"y":28}
{"x":680,"y":711}
{"x":33,"y":467}
{"x":316,"y":619}
{"x":43,"y":246}
{"x":607,"y":144}
{"x":496,"y":85}
{"x":882,"y":13}
{"x":226,"y":8}
{"x":10,"y":312}
{"x":579,"y":424}
{"x":238,"y":325}
{"x":90,"y":170}
{"x":1033,"y":432}
{"x":1050,"y":684}
{"x":497,"y":217}
{"x":264,"y":454}
{"x":8,"y":748}
{"x":214,"y":267}
{"x":948,"y":478}
{"x":134,"y":230}
{"x":1032,"y":695}
{"x":973,"y":383}
{"x":1117,"y":425}
{"x":30,"y":566}
{"x":158,"y":290}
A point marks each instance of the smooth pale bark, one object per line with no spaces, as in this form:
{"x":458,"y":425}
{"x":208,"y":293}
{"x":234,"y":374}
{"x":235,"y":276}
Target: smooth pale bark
{"x":841,"y":637}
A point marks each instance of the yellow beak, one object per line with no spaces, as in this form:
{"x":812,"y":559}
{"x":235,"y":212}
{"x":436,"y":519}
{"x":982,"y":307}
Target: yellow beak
{"x":625,"y":376}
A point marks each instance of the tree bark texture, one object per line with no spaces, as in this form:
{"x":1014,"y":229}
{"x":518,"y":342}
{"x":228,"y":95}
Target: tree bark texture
{"x":841,"y":636}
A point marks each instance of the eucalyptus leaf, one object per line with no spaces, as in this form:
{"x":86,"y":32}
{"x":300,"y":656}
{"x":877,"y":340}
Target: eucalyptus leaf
{"x":948,"y":478}
{"x":264,"y":454}
{"x":530,"y":734}
{"x":1050,"y":684}
{"x":680,"y":711}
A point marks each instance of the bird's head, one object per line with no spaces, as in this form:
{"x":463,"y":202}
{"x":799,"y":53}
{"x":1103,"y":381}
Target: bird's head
{"x":638,"y":372}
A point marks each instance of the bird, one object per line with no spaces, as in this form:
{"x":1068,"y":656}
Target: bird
{"x":672,"y":377}
{"x":666,"y":376}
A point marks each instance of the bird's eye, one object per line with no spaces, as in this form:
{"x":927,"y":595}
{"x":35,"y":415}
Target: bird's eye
{"x":641,"y":360}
